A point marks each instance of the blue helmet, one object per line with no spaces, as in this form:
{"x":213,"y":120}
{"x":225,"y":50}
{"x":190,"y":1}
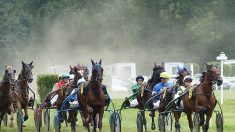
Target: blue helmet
{"x":181,"y":68}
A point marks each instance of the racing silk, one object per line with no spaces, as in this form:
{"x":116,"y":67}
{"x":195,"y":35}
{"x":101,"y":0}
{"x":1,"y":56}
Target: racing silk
{"x":158,"y":87}
{"x":180,"y":90}
{"x":59,"y":84}
{"x":135,"y":87}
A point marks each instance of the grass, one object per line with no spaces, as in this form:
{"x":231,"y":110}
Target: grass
{"x":129,"y":118}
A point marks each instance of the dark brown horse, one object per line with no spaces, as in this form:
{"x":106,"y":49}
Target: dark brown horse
{"x":169,"y":94}
{"x":22,"y":87}
{"x":203,"y":101}
{"x":145,"y":92}
{"x":6,"y":87}
{"x":95,"y":98}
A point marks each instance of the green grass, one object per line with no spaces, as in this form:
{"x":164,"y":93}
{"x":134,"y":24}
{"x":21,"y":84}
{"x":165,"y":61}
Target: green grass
{"x":129,"y":118}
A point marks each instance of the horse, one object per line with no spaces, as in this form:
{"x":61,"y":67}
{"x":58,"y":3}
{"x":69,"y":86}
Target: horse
{"x":6,"y":87}
{"x":21,"y":87}
{"x":203,"y":100}
{"x":145,"y":92}
{"x":168,"y":94}
{"x":95,"y":98}
{"x":72,"y":85}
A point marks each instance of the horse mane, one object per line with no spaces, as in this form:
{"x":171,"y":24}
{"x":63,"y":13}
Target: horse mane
{"x":204,"y":73}
{"x":157,"y":70}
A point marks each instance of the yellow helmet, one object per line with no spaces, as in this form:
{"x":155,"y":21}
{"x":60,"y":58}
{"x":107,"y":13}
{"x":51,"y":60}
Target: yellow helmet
{"x":165,"y":75}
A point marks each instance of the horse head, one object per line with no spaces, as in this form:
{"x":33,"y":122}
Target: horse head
{"x":214,"y":74}
{"x":9,"y":75}
{"x":75,"y":70}
{"x":26,"y":71}
{"x":157,"y":70}
{"x":166,"y":96}
{"x":97,"y":72}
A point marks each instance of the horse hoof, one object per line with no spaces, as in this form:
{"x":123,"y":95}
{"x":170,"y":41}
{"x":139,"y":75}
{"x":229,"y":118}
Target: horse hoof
{"x":26,"y":118}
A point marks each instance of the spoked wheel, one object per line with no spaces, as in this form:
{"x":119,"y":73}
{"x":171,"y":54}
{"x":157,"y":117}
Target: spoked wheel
{"x":168,"y":122}
{"x":115,"y":122}
{"x":47,"y":119}
{"x":140,"y":122}
{"x":196,"y":122}
{"x":0,"y":121}
{"x":56,"y":122}
{"x":161,"y":123}
{"x":37,"y":120}
{"x":19,"y":118}
{"x":219,"y":122}
{"x":5,"y":119}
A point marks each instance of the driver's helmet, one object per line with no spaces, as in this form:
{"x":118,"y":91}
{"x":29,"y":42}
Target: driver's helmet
{"x":64,"y":76}
{"x":181,"y":68}
{"x":165,"y":75}
{"x":187,"y":78}
{"x":139,"y":77}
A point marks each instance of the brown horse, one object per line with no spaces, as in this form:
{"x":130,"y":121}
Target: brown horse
{"x":6,"y":87}
{"x":203,"y":101}
{"x":95,"y":98}
{"x":72,"y":85}
{"x":22,"y":87}
{"x":145,"y":93}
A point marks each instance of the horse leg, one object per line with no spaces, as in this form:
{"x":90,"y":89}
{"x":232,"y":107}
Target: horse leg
{"x":12,"y":115}
{"x":177,"y":123}
{"x":26,"y":115}
{"x":73,"y":122}
{"x":202,"y":119}
{"x":101,"y":113}
{"x":153,"y":127}
{"x":144,"y":121}
{"x":94,"y":120}
{"x":206,"y":125}
{"x":190,"y":121}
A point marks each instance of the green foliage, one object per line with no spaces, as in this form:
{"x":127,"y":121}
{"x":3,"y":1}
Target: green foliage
{"x":45,"y":83}
{"x":205,"y":26}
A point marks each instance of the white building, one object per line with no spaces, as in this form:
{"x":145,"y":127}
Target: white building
{"x":121,"y":75}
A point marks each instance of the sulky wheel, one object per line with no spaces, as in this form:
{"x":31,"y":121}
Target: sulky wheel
{"x":115,"y":122}
{"x":19,"y":119}
{"x":5,"y":119}
{"x":140,"y":122}
{"x":168,"y":122}
{"x":0,"y":120}
{"x":219,"y":122}
{"x":46,"y":115}
{"x":161,"y":123}
{"x":57,"y":122}
{"x":196,"y":122}
{"x":37,"y":120}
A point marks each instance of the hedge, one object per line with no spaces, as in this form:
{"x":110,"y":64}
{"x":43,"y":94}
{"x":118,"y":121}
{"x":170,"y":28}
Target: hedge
{"x":45,"y":83}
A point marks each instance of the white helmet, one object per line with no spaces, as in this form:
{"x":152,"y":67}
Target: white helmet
{"x":187,"y":78}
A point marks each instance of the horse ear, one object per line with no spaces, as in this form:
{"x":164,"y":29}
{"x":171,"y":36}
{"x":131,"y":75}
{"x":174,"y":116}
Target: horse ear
{"x":70,"y":67}
{"x":100,"y":61}
{"x":92,"y":62}
{"x":31,"y":63}
{"x":154,"y":64}
{"x":22,"y":63}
